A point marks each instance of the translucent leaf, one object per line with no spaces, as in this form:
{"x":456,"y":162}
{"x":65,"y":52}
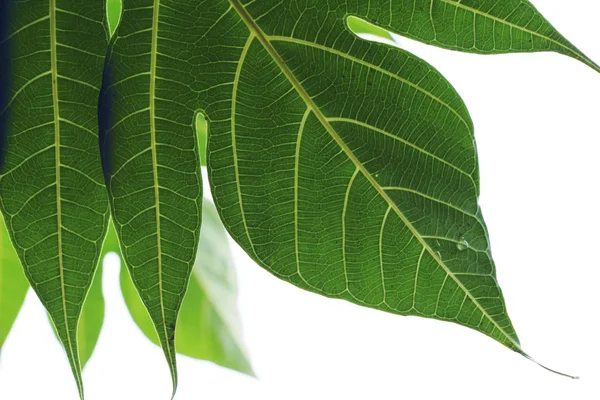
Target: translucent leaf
{"x":209,"y":325}
{"x":13,"y":285}
{"x":51,"y":186}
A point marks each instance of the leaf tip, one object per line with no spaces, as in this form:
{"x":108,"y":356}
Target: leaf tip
{"x":527,"y":356}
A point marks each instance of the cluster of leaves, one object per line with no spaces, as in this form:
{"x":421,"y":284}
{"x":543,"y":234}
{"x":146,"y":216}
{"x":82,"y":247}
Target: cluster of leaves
{"x":343,"y":166}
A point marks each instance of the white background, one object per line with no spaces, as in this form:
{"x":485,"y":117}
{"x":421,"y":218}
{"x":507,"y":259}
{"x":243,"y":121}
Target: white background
{"x":537,"y":121}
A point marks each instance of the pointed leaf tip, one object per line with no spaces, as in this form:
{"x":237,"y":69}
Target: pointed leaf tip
{"x":52,"y":196}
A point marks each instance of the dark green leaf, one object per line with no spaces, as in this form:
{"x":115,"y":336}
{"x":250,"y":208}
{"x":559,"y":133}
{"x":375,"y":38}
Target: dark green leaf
{"x":476,"y":26}
{"x":345,"y":167}
{"x":208,"y":327}
{"x":51,"y":186}
{"x":13,"y":285}
{"x":151,"y":157}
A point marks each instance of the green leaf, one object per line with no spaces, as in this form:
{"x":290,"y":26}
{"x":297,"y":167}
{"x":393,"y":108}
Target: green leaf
{"x":476,"y":26}
{"x":361,"y":27}
{"x":151,"y":157}
{"x":209,"y":325}
{"x":91,"y":320}
{"x":51,"y":187}
{"x":13,"y":285}
{"x":345,"y":167}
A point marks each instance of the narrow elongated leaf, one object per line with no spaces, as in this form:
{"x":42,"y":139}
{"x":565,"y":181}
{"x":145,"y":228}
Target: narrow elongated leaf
{"x":476,"y":26}
{"x":151,"y":160}
{"x":345,"y":167}
{"x":13,"y":285}
{"x":209,"y":325}
{"x":51,"y":186}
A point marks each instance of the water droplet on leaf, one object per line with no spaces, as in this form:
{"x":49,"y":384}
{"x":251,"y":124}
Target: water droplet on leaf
{"x":462,"y":244}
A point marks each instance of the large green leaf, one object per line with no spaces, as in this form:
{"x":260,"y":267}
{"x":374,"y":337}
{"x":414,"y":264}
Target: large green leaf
{"x":345,"y":167}
{"x":209,"y":325}
{"x":13,"y":285}
{"x":151,"y":158}
{"x":476,"y":26}
{"x":51,"y":186}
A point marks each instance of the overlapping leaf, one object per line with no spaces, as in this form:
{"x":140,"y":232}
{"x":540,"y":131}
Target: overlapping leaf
{"x":208,"y":327}
{"x":51,"y":186}
{"x":349,"y":168}
{"x":150,"y":156}
{"x":476,"y":26}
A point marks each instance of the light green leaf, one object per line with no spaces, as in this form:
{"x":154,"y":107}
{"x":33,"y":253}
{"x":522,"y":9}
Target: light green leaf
{"x":13,"y":285}
{"x":209,"y":325}
{"x":91,"y":320}
{"x":361,"y":27}
{"x":151,"y":157}
{"x":51,"y":186}
{"x":476,"y":26}
{"x":345,"y":167}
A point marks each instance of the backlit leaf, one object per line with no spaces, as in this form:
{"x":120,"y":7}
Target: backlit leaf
{"x":476,"y":26}
{"x":151,"y":158}
{"x":345,"y":167}
{"x":209,"y":325}
{"x":51,"y":186}
{"x":90,"y":321}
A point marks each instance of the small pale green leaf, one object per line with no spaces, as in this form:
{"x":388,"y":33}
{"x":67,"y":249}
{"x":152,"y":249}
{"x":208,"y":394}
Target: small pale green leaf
{"x":91,"y":320}
{"x":151,"y":157}
{"x":475,"y":26}
{"x":113,"y":11}
{"x":13,"y":285}
{"x":201,"y":132}
{"x":361,"y":27}
{"x":209,"y":325}
{"x":51,"y":184}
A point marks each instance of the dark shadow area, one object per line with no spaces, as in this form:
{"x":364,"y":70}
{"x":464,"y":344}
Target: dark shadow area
{"x":5,"y":71}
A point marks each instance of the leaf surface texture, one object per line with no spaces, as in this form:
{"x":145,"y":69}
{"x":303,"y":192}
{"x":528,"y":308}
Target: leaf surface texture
{"x":346,"y":167}
{"x":209,"y":326}
{"x":151,"y":158}
{"x":51,"y":187}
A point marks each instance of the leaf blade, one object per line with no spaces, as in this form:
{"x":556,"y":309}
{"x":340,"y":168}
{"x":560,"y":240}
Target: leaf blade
{"x":208,"y":327}
{"x":51,"y":178}
{"x":476,"y":26}
{"x":353,"y":155}
{"x":150,"y":141}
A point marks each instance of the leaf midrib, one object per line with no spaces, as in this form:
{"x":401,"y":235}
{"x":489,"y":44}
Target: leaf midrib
{"x":152,"y":110}
{"x":575,"y":54}
{"x":256,"y":31}
{"x":74,"y":355}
